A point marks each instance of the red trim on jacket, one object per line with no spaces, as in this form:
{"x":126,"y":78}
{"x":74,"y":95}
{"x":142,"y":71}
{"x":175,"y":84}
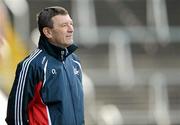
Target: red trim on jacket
{"x":37,"y":112}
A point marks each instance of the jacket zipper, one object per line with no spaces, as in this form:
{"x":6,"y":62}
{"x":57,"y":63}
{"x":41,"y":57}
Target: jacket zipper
{"x":62,"y":57}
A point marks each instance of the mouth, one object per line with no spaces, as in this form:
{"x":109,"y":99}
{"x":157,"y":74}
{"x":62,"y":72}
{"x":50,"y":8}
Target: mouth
{"x":69,"y":35}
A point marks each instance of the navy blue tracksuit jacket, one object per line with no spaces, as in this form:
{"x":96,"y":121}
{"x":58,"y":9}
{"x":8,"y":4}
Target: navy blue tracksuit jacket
{"x":47,"y":89}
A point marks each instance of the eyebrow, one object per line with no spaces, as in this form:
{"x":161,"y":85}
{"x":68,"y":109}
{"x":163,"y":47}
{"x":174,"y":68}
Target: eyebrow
{"x":67,"y":22}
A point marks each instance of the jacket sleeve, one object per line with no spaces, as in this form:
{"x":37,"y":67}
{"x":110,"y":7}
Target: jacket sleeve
{"x":20,"y":95}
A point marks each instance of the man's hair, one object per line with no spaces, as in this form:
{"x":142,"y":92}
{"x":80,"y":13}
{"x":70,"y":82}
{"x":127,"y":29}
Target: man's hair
{"x":44,"y":18}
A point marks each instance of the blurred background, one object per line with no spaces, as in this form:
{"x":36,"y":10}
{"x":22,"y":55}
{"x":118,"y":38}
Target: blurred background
{"x":129,"y":51}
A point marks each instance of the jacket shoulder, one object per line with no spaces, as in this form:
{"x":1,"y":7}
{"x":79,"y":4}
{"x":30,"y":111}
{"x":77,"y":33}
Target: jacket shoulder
{"x":75,"y":57}
{"x":34,"y":59}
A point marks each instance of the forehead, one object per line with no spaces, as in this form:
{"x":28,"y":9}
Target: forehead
{"x":59,"y":19}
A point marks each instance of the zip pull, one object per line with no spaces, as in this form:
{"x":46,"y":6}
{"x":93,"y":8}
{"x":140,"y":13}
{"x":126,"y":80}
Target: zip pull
{"x":62,"y":55}
{"x":66,"y":51}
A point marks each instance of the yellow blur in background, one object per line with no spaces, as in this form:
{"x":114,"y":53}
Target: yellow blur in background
{"x":12,"y":50}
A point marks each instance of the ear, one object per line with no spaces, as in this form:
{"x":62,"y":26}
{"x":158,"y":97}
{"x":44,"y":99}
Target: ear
{"x":47,"y":32}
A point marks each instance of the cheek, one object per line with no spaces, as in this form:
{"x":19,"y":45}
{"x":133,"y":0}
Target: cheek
{"x":60,"y":34}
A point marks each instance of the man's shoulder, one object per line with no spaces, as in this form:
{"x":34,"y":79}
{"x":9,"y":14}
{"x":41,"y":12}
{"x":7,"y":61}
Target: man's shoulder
{"x":75,"y":57}
{"x":34,"y":58}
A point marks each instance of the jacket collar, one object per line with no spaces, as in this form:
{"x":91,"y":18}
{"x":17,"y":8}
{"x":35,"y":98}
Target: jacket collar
{"x":57,"y":52}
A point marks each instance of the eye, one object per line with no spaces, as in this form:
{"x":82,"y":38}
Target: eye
{"x":64,"y":25}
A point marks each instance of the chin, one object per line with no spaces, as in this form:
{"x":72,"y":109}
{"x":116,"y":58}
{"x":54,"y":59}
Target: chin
{"x":69,"y":43}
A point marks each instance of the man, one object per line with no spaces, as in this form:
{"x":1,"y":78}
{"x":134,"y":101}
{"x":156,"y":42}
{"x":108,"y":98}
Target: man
{"x":47,"y":89}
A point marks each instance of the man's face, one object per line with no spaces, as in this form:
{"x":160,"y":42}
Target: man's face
{"x":62,"y":31}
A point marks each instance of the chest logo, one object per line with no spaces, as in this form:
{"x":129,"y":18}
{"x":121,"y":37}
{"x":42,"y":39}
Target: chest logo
{"x":76,"y":71}
{"x":53,"y":71}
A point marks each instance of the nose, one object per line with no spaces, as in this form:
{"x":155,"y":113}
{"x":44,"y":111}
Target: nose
{"x":70,"y":28}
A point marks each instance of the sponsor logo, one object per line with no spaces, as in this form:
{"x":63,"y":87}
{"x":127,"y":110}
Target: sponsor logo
{"x":76,"y":71}
{"x":53,"y":71}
